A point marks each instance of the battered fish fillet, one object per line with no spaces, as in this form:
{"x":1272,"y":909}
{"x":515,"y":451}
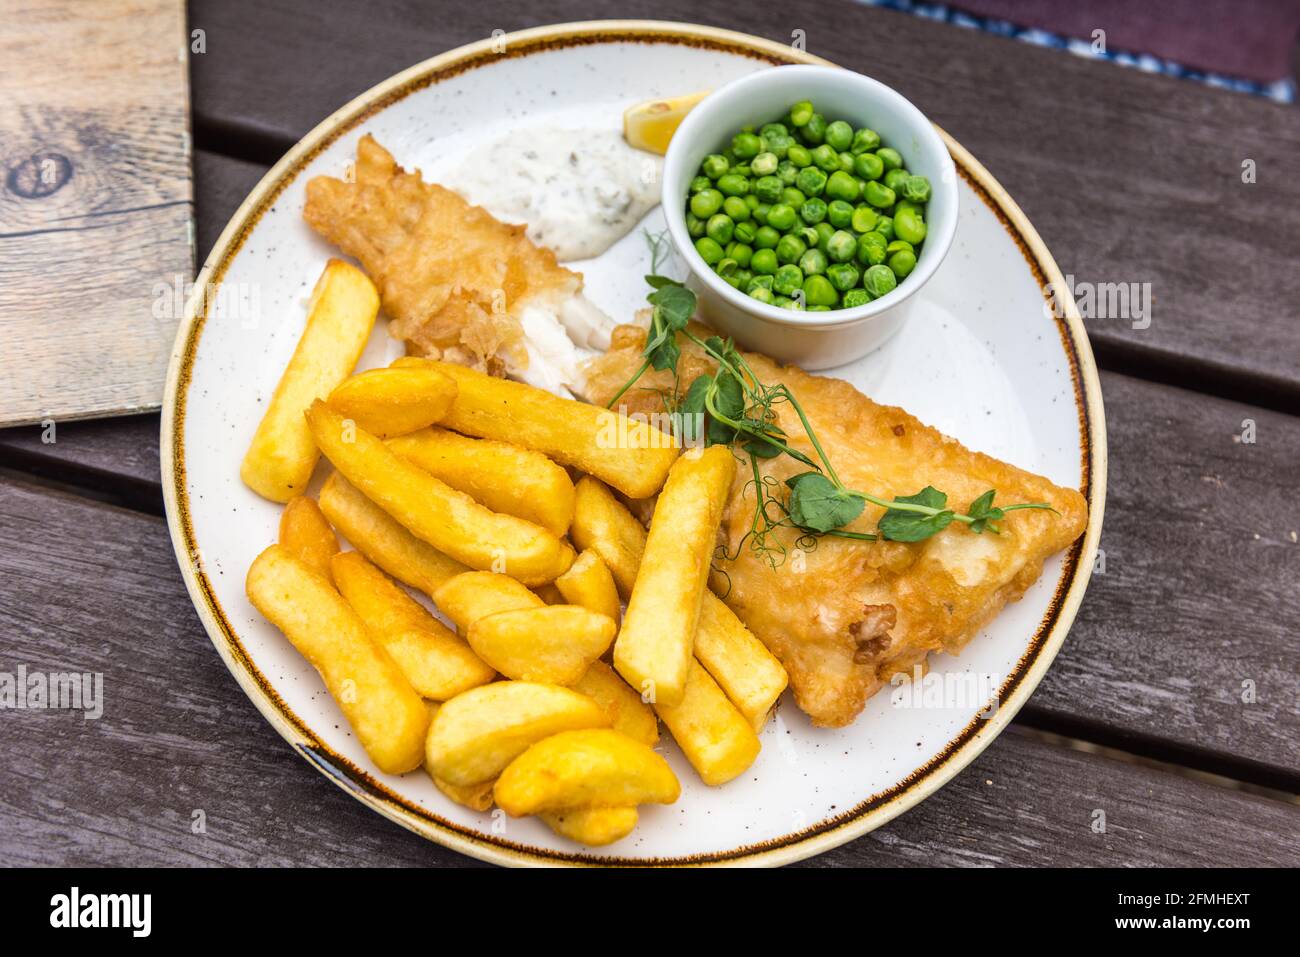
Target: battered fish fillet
{"x":456,"y":283}
{"x":845,"y":616}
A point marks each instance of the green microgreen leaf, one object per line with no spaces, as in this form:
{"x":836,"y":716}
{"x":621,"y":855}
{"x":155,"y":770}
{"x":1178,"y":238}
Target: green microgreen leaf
{"x":818,"y":504}
{"x":927,"y":516}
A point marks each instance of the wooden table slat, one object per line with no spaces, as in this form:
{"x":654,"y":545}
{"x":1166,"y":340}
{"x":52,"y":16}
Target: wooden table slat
{"x":1163,"y":203}
{"x":177,"y":737}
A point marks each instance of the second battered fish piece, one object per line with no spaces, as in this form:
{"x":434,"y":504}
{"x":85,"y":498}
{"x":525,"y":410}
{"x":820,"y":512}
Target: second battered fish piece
{"x":845,"y":616}
{"x":456,"y":283}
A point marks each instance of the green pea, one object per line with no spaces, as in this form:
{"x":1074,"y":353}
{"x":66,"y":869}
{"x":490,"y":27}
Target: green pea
{"x":741,"y":253}
{"x":799,"y":155}
{"x":782,"y":302}
{"x":781,"y":217}
{"x":895,"y":178}
{"x":885,"y":226}
{"x":787,"y":172}
{"x":871,"y":249}
{"x":864,"y":140}
{"x":778,"y":144}
{"x":813,"y":262}
{"x":842,"y":186}
{"x":745,"y":232}
{"x":843,"y":276}
{"x":846,"y":162}
{"x":909,"y":225}
{"x":811,"y":180}
{"x":903,"y":204}
{"x":793,"y":197}
{"x":709,"y":250}
{"x":876,"y":194}
{"x":759,"y":282}
{"x":813,"y":211}
{"x":694,"y":225}
{"x":902,"y":263}
{"x":720,"y":228}
{"x":818,"y":291}
{"x":868,"y":166}
{"x":864,"y":219}
{"x":788,"y":280}
{"x":727,"y":268}
{"x":764,"y":164}
{"x":751,"y":201}
{"x":746,"y":145}
{"x":825,"y":158}
{"x":766,"y":238}
{"x":763,"y":262}
{"x":762,"y":295}
{"x":824,"y":233}
{"x":890,"y":157}
{"x":760,"y":213}
{"x":819,"y":309}
{"x":841,"y":246}
{"x":790,"y":248}
{"x":899,"y":244}
{"x":840,"y":214}
{"x":705,"y":203}
{"x":714,"y":165}
{"x":744,"y":275}
{"x":699,"y":184}
{"x":736,"y":208}
{"x":814,"y":131}
{"x":839,"y":135}
{"x":767,"y":129}
{"x":855,"y":297}
{"x":741,"y":169}
{"x":768,"y":189}
{"x":733,"y":184}
{"x":917,"y":189}
{"x":879,"y":280}
{"x":801,"y":113}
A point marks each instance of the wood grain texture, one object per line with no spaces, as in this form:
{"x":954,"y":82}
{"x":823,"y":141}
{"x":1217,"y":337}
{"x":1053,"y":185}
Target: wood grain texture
{"x":1188,"y":636}
{"x":1129,"y":177}
{"x":95,"y":205}
{"x":93,"y":588}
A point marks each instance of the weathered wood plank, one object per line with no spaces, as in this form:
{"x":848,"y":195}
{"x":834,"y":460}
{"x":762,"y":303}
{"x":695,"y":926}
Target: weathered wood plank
{"x":1187,"y":637}
{"x":95,"y":207}
{"x":177,"y":736}
{"x":1129,"y":177}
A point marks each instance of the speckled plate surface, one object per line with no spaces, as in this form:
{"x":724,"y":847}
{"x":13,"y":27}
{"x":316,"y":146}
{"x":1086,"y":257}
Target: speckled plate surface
{"x":984,"y":362}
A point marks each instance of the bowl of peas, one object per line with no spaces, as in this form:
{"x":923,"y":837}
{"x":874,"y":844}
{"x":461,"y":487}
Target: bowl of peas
{"x":811,"y":204}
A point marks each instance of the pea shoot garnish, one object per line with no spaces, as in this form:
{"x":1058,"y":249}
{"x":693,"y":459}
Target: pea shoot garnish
{"x":733,"y":407}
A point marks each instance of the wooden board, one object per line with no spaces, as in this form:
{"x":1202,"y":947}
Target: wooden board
{"x":95,"y":204}
{"x":178,"y":737}
{"x":1129,"y":177}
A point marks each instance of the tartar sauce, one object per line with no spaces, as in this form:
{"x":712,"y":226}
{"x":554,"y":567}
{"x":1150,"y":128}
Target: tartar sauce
{"x":579,"y":191}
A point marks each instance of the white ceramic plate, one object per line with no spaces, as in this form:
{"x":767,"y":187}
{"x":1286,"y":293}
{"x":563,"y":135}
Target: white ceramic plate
{"x":982,"y":361}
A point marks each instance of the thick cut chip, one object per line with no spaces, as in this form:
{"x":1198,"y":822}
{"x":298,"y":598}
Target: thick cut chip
{"x":552,"y":644}
{"x":504,"y":477}
{"x":592,"y":826}
{"x":433,"y":511}
{"x":387,"y":715}
{"x":589,"y":583}
{"x":282,"y":454}
{"x":576,"y":769}
{"x":626,"y":710}
{"x":714,"y":736}
{"x":474,"y":595}
{"x":389,"y":402}
{"x":383,"y":540}
{"x":475,"y":735}
{"x":305,"y":532}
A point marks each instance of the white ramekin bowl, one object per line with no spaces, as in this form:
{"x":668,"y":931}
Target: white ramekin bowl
{"x":813,"y":340}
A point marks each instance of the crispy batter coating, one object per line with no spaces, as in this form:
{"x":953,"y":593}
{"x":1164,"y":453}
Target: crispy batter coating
{"x":453,"y":279}
{"x":845,"y":616}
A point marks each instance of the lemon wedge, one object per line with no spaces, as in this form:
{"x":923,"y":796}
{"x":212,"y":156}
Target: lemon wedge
{"x":650,"y":125}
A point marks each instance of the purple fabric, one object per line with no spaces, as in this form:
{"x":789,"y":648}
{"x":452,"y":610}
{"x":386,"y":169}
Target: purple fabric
{"x":1252,"y":39}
